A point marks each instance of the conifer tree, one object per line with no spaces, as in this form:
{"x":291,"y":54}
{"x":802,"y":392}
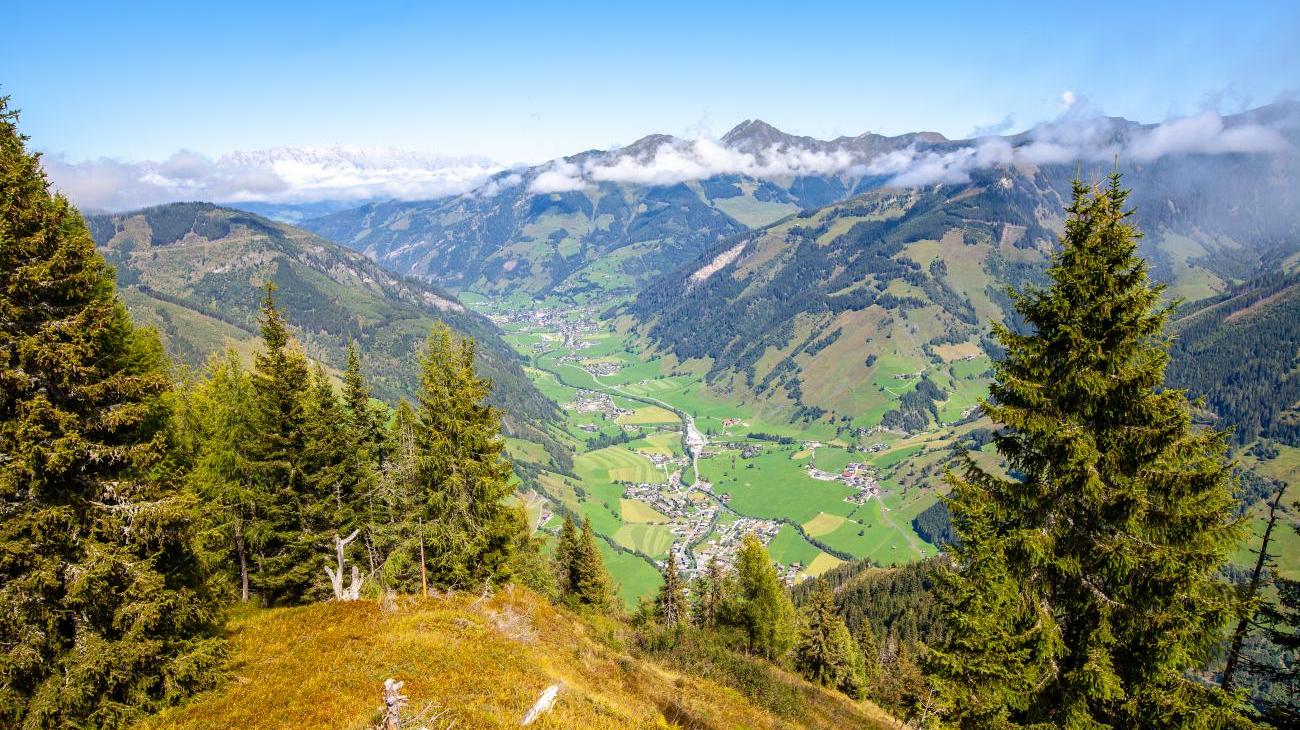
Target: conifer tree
{"x":710,"y":593}
{"x":217,"y":413}
{"x":461,"y":476}
{"x":289,"y":560}
{"x":1087,"y":583}
{"x":765,"y":611}
{"x":869,"y":651}
{"x":826,"y":653}
{"x":670,"y":604}
{"x":105,"y":607}
{"x":591,"y":586}
{"x":565,"y":557}
{"x":365,"y":424}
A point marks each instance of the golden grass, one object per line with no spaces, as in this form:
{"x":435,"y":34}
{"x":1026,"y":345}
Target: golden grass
{"x":634,"y":510}
{"x":822,"y":563}
{"x":481,"y":664}
{"x":649,"y":415}
{"x":823,"y":524}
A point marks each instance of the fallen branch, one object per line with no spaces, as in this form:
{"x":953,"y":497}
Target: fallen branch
{"x":542,"y":706}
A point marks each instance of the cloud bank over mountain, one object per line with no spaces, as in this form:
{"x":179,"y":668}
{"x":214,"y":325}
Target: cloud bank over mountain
{"x":753,"y":150}
{"x":281,"y":174}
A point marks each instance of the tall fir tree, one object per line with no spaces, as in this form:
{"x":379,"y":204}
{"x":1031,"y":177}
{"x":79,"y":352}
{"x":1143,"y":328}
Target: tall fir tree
{"x":217,"y":414}
{"x":1087,"y":584}
{"x":591,"y":587}
{"x":710,"y":591}
{"x":105,"y":604}
{"x":826,"y":653}
{"x":765,"y":611}
{"x":670,"y":604}
{"x":461,"y":476}
{"x":365,"y":423}
{"x":565,"y":557}
{"x":289,"y":559}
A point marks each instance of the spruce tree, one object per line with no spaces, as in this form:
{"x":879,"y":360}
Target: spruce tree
{"x":670,"y":604}
{"x":461,"y":476}
{"x":826,"y":653}
{"x":365,"y":424}
{"x":218,"y":426}
{"x":105,"y":607}
{"x":1087,"y":583}
{"x":289,"y":560}
{"x":591,"y":586}
{"x":710,"y":592}
{"x":566,"y":550}
{"x":765,"y":611}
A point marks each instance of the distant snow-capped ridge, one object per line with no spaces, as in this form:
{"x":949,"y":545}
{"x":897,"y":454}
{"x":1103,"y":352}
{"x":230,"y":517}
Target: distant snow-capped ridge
{"x":277,"y":174}
{"x":753,"y":149}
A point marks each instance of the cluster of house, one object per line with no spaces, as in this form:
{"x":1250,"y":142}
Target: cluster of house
{"x":589,"y":401}
{"x":724,"y":545}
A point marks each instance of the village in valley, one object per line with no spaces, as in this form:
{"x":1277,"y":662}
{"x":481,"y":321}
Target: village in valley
{"x":649,"y":470}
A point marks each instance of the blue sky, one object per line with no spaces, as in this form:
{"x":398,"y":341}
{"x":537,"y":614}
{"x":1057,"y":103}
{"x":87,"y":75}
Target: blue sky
{"x":530,"y":81}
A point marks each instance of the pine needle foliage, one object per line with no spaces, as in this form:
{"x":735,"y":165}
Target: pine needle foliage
{"x":1087,"y":584}
{"x":462,"y":479}
{"x":105,"y":607}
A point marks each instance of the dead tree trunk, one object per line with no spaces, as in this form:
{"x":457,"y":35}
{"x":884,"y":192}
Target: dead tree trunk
{"x":243,"y":566}
{"x":1252,"y":591}
{"x":352,"y":592}
{"x":394,"y":701}
{"x":424,"y":576}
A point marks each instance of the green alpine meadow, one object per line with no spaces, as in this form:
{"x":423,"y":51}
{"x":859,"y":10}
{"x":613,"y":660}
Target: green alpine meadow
{"x":694,"y":367}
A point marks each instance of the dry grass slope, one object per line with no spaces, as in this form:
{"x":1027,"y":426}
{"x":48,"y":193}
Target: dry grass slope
{"x":472,"y":664}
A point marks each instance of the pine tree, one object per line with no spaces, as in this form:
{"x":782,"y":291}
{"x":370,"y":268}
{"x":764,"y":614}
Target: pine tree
{"x":591,"y":587}
{"x":710,"y":593}
{"x":565,"y":557}
{"x":462,"y":479}
{"x":288,"y":562}
{"x":215,"y":418}
{"x":826,"y":653}
{"x":765,"y":612}
{"x":1087,"y":584}
{"x":365,"y":423}
{"x":869,"y":652}
{"x":1281,"y":623}
{"x":670,"y":604}
{"x":106,"y":606}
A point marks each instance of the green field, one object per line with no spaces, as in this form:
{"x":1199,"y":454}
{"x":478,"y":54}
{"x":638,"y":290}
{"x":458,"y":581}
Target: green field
{"x":772,"y":485}
{"x":616,"y":464}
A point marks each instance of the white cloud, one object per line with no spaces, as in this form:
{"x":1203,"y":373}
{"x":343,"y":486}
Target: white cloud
{"x":560,"y":176}
{"x":1081,"y":132}
{"x":281,"y":174}
{"x":1205,"y":133}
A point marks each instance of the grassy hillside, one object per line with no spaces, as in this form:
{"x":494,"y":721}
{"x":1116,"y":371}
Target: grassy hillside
{"x":195,"y":271}
{"x":482,"y":664}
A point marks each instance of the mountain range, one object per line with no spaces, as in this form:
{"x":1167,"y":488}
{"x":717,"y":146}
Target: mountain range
{"x":611,"y":221}
{"x":195,"y":271}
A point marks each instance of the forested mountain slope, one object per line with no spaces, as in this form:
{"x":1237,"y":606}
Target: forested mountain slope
{"x":1240,"y":351}
{"x":195,"y":270}
{"x":882,"y":303}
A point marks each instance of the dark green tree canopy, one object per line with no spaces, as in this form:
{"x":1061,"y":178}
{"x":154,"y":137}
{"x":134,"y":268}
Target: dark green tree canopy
{"x":1088,"y":583}
{"x":106,"y":606}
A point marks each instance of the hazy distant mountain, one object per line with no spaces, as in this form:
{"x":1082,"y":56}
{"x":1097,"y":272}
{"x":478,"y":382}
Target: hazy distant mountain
{"x":611,"y":220}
